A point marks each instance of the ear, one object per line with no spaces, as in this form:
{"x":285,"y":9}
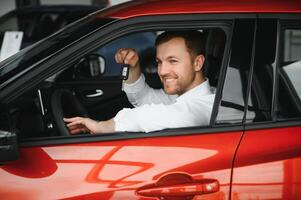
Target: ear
{"x":199,"y":62}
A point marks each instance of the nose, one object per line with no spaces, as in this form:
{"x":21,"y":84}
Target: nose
{"x":163,"y":69}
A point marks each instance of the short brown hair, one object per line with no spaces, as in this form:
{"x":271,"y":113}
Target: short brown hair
{"x":194,"y":40}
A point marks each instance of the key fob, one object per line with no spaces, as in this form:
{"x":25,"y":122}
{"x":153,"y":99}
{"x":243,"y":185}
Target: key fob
{"x":125,"y":71}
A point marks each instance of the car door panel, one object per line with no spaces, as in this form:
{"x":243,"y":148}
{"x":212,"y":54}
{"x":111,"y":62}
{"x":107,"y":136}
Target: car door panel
{"x":98,"y":91}
{"x":267,"y":165}
{"x":102,"y":99}
{"x":116,"y":169}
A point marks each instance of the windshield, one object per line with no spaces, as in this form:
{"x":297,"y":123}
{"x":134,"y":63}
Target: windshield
{"x":29,"y":56}
{"x":37,"y":22}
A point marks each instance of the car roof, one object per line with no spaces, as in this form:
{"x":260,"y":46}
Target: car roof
{"x":159,"y":7}
{"x":56,"y":9}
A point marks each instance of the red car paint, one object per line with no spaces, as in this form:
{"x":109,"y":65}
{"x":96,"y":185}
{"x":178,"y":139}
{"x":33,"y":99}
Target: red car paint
{"x":267,"y":165}
{"x":115,"y":170}
{"x":168,"y":7}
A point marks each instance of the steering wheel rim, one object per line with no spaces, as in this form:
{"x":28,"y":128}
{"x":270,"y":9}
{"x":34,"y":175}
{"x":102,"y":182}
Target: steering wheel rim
{"x":61,"y":99}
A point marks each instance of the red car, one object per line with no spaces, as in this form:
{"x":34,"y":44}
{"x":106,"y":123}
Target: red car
{"x":250,"y":150}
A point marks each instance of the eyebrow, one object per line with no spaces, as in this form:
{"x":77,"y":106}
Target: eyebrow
{"x":169,"y":57}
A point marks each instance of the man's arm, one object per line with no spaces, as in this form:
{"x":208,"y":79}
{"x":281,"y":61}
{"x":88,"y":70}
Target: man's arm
{"x":155,"y":117}
{"x":81,"y":125}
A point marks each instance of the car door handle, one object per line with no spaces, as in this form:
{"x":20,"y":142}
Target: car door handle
{"x":98,"y":92}
{"x":179,"y":186}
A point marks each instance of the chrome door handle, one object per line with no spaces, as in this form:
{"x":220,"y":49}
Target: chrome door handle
{"x":182,"y":190}
{"x":179,"y":185}
{"x":98,"y":92}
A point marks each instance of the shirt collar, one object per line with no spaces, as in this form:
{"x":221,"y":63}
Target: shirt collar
{"x":200,"y":90}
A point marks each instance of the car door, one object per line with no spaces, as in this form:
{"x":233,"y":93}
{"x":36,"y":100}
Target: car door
{"x":190,"y":163}
{"x":267,"y":164}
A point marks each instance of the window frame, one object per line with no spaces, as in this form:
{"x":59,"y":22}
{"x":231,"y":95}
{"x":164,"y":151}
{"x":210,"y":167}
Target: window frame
{"x":67,"y":57}
{"x":284,"y":20}
{"x":283,"y":26}
{"x":240,"y":22}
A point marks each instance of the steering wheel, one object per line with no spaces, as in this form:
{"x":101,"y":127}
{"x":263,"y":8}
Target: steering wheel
{"x":65,"y":104}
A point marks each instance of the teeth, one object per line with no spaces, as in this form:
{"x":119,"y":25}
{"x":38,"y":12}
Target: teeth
{"x":169,"y":80}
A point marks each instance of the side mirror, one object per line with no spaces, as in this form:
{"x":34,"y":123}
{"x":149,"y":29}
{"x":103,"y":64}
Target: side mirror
{"x":8,"y":146}
{"x":90,"y":66}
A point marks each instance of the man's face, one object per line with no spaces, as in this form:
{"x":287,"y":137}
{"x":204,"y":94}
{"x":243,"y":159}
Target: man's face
{"x":176,"y":69}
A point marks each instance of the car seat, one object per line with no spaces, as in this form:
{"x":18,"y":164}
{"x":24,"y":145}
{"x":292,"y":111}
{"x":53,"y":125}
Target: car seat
{"x":214,"y":51}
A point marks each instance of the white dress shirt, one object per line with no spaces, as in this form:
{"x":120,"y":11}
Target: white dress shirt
{"x":156,"y":110}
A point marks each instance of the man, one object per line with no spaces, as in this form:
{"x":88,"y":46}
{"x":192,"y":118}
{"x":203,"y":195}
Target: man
{"x":186,"y":100}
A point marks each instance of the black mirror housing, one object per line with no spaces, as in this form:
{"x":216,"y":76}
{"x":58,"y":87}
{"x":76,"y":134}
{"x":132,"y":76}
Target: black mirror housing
{"x":92,"y":65}
{"x":8,"y":146}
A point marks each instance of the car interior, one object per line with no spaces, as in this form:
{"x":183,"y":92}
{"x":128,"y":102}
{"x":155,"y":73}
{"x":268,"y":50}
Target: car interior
{"x":39,"y":112}
{"x":289,"y":103}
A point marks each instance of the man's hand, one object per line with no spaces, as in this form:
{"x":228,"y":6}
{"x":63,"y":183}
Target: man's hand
{"x":80,"y":125}
{"x":129,"y":56}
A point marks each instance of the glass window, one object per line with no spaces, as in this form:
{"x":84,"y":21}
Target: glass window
{"x":261,"y":93}
{"x":293,"y":72}
{"x":30,"y":55}
{"x":289,"y":94}
{"x":292,"y":45}
{"x":292,"y":54}
{"x":232,"y":105}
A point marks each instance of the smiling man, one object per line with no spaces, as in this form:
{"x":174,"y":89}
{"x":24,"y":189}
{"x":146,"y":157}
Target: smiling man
{"x":186,"y":99}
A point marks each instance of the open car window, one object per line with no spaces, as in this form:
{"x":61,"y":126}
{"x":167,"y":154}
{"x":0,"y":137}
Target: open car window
{"x":94,"y":79}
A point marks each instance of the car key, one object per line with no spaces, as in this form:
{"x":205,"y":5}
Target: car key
{"x":125,"y":71}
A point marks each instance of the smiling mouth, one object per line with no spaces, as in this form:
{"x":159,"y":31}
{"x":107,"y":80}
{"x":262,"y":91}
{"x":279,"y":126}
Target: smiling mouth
{"x":169,"y":80}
